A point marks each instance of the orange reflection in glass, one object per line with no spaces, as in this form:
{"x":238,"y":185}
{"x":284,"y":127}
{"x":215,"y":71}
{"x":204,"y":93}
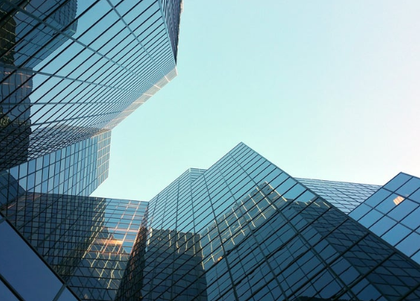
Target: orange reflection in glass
{"x":398,"y":200}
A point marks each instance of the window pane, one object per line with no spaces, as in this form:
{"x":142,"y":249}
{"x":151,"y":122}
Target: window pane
{"x":39,"y":282}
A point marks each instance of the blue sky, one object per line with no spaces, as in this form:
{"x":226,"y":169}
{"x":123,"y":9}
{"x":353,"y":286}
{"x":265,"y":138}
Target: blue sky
{"x":323,"y":89}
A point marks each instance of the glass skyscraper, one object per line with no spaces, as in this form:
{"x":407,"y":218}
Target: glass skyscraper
{"x":69,"y":72}
{"x":70,"y":69}
{"x":84,"y":244}
{"x":246,"y":230}
{"x":391,"y":211}
{"x":241,"y":230}
{"x":77,"y":169}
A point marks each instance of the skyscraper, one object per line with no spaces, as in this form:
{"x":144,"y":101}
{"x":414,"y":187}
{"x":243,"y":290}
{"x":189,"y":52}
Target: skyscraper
{"x":24,"y":45}
{"x":241,"y":230}
{"x":77,"y":169}
{"x":84,"y":244}
{"x":69,"y":72}
{"x":256,"y":233}
{"x":71,"y":69}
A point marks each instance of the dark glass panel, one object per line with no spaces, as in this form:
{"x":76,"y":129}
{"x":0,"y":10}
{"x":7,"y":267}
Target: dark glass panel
{"x":6,"y":294}
{"x":39,"y":282}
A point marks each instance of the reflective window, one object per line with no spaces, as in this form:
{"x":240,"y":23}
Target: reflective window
{"x":389,"y":203}
{"x":403,"y":209}
{"x":397,"y":182}
{"x":398,"y":209}
{"x":360,"y":211}
{"x":275,"y":239}
{"x":396,"y":234}
{"x":39,"y":282}
{"x":383,"y":225}
{"x":370,"y":218}
{"x":408,"y":188}
{"x":410,"y":244}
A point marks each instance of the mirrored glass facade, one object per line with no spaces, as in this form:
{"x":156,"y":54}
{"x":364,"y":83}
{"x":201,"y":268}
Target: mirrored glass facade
{"x":241,"y":230}
{"x":86,"y":241}
{"x":393,"y":213}
{"x":24,"y":275}
{"x":77,"y":169}
{"x":343,"y":195}
{"x":70,"y":69}
{"x":246,"y":230}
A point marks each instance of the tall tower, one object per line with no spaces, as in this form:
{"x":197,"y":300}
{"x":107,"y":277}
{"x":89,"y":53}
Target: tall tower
{"x":262,"y":235}
{"x":72,"y":69}
{"x":79,"y":243}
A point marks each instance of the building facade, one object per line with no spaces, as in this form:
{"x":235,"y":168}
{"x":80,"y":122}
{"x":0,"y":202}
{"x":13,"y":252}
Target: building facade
{"x":256,"y":233}
{"x":24,"y":275}
{"x":241,"y":230}
{"x":77,"y":169}
{"x":343,"y":195}
{"x":70,"y":69}
{"x":69,"y":72}
{"x":393,"y":214}
{"x":84,"y":243}
{"x":390,"y":211}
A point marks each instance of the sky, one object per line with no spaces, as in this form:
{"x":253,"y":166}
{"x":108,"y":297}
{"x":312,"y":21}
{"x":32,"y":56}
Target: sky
{"x":323,"y":89}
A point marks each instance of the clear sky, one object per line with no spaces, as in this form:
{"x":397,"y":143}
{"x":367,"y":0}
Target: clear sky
{"x":323,"y":89}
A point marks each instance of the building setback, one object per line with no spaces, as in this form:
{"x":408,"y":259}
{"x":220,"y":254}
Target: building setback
{"x":262,"y":236}
{"x":343,"y":195}
{"x":241,"y":230}
{"x":77,"y":169}
{"x":70,"y":69}
{"x":391,"y":211}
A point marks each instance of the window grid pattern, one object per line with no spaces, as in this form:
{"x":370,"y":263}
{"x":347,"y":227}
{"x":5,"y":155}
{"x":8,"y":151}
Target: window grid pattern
{"x":262,"y":236}
{"x":76,"y":67}
{"x":86,"y":240}
{"x":393,"y":214}
{"x":172,"y":11}
{"x":343,"y":195}
{"x":77,"y":169}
